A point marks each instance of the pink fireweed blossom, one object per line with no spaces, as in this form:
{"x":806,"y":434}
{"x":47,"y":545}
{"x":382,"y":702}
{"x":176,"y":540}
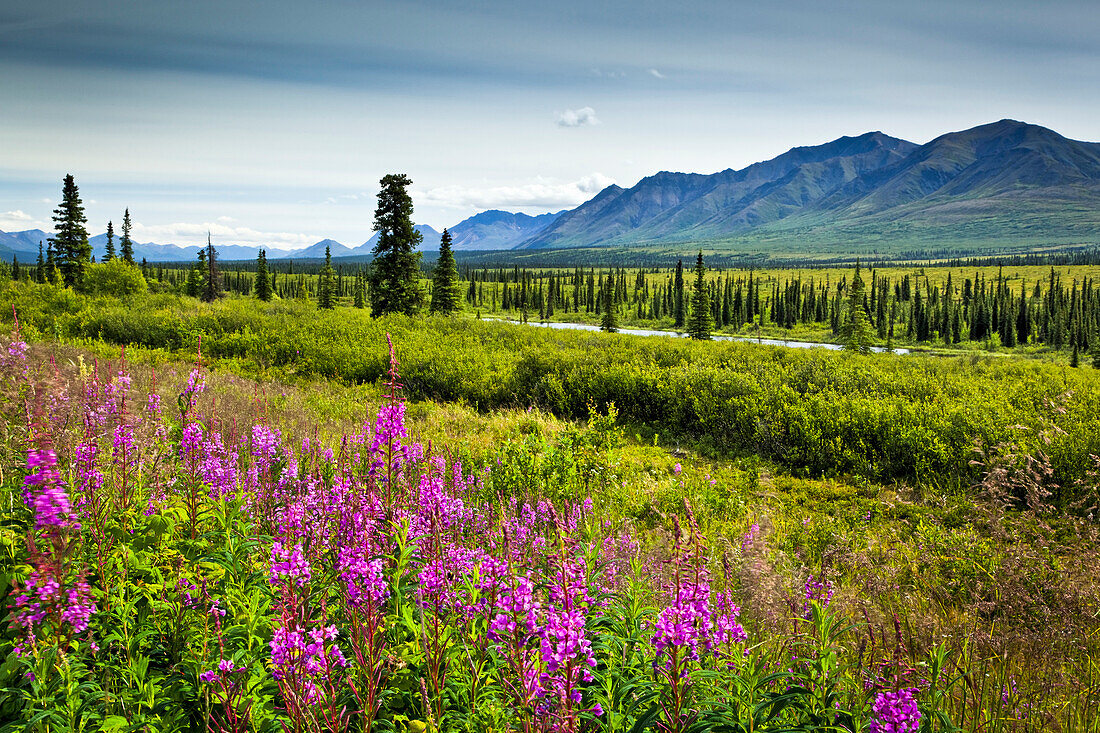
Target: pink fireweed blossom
{"x":389,"y":429}
{"x":122,"y":442}
{"x":301,"y":658}
{"x":16,"y":354}
{"x":289,"y":565}
{"x":816,"y":590}
{"x":265,"y":443}
{"x":895,"y":712}
{"x":685,"y":624}
{"x":44,"y":491}
{"x":363,"y":577}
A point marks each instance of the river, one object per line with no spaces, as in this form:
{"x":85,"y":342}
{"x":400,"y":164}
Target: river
{"x":678,"y":334}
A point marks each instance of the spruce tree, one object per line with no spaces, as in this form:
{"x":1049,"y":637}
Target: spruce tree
{"x":700,"y":324}
{"x":40,"y":267}
{"x":15,"y":267}
{"x":857,"y":330}
{"x":262,"y":288}
{"x":195,"y":277}
{"x":678,"y":296}
{"x":326,"y":284}
{"x":446,"y":295}
{"x":395,"y":272}
{"x":70,"y":244}
{"x":609,"y":319}
{"x":359,"y":300}
{"x":212,"y":287}
{"x":53,"y":274}
{"x":110,"y":255}
{"x":126,"y":246}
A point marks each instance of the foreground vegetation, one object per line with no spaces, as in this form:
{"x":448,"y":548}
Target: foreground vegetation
{"x":561,"y":531}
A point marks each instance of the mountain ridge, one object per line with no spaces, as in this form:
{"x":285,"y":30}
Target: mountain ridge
{"x":1006,"y":179}
{"x":1003,"y":184}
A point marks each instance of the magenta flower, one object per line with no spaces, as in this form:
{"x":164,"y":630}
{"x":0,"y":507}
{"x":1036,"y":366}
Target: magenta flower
{"x":895,"y":712}
{"x":289,"y":565}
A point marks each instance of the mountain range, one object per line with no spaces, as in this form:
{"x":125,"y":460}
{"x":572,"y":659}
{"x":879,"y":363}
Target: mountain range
{"x":1007,"y":182}
{"x":1006,"y":185}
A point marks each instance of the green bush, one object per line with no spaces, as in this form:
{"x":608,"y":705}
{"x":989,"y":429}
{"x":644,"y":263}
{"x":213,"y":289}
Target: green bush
{"x":115,"y":278}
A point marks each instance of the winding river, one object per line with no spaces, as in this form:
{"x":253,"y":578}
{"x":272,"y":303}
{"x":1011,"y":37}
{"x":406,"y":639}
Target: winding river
{"x":678,"y":334}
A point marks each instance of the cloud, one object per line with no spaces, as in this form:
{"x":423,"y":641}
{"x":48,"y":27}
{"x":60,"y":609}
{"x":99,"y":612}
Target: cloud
{"x":18,"y":221}
{"x":183,"y":234}
{"x":578,"y":117}
{"x":656,"y":74}
{"x":542,"y":193}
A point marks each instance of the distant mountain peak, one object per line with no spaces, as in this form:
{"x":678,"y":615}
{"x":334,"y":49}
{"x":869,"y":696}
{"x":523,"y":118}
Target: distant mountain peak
{"x":1002,"y":172}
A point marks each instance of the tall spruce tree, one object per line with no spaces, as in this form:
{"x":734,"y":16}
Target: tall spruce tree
{"x":446,"y":292}
{"x":212,"y":287}
{"x":700,"y":324}
{"x":360,"y":287}
{"x":196,"y":276}
{"x":326,"y":284}
{"x":857,"y":330}
{"x":70,"y":244}
{"x":110,"y":255}
{"x":395,"y":273}
{"x":125,"y":245}
{"x":678,"y":296}
{"x":40,"y":267}
{"x":53,"y":274}
{"x":609,"y":317}
{"x":262,"y":289}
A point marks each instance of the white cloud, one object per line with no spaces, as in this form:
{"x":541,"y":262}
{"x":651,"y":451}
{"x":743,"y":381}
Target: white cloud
{"x":542,"y":193}
{"x":578,"y":117}
{"x":184,"y":234}
{"x":18,"y":221}
{"x":656,"y":74}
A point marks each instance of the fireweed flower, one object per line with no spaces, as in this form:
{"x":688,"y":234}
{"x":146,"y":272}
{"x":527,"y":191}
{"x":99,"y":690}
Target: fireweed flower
{"x":685,"y":624}
{"x":45,"y":493}
{"x":304,"y":658}
{"x":389,"y":427}
{"x":122,"y":441}
{"x":50,"y":595}
{"x":265,"y":443}
{"x":727,"y":629}
{"x":895,"y":712}
{"x":289,"y":565}
{"x":364,"y":579}
{"x":16,"y":353}
{"x":816,"y":590}
{"x":218,"y":468}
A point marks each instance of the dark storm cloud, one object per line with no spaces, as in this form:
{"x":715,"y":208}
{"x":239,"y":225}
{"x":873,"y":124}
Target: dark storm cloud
{"x":373,"y":44}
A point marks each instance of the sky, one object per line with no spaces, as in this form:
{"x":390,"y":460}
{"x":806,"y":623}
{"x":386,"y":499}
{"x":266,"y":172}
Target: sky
{"x":271,"y":123}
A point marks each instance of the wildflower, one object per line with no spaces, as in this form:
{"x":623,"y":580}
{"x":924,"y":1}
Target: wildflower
{"x":685,"y":623}
{"x":45,"y":493}
{"x":289,"y":565}
{"x":895,"y":712}
{"x":363,"y":578}
{"x":265,"y":442}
